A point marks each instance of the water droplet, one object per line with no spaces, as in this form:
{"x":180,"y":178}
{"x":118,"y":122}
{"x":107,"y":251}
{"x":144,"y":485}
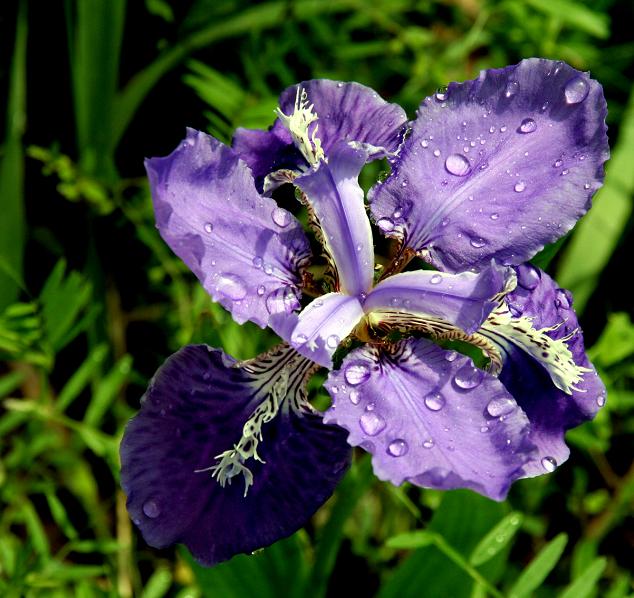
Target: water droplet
{"x":564,"y":172}
{"x":491,"y":129}
{"x":519,"y":187}
{"x":557,"y":163}
{"x":257,"y":261}
{"x":601,"y":399}
{"x":528,"y":277}
{"x":586,"y":186}
{"x":561,"y":299}
{"x":340,"y":85}
{"x":151,"y":509}
{"x":478,"y":242}
{"x":434,"y":401}
{"x":424,"y":143}
{"x":576,"y":90}
{"x":468,"y":376}
{"x":512,"y":87}
{"x":484,"y":429}
{"x":372,"y":423}
{"x":397,"y":448}
{"x":231,"y":286}
{"x":501,"y":406}
{"x":385,"y":224}
{"x":528,"y":125}
{"x":549,"y":464}
{"x":261,"y":290}
{"x":484,"y":166}
{"x":356,"y":373}
{"x":429,"y":443}
{"x":354,"y":397}
{"x":436,"y":152}
{"x":503,"y":129}
{"x":435,"y":279}
{"x":441,"y":93}
{"x":281,"y":217}
{"x":208,"y":227}
{"x":451,"y":355}
{"x":268,"y":269}
{"x":495,"y":216}
{"x":332,"y":341}
{"x":370,"y":407}
{"x":299,"y":339}
{"x":457,"y":165}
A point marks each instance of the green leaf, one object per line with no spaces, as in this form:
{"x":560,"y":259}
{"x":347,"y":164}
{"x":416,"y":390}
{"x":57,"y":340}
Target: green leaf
{"x":158,"y":585}
{"x":81,"y":377}
{"x":496,"y":539}
{"x":107,"y":391}
{"x":616,"y":342}
{"x":539,"y":568}
{"x":410,"y":540}
{"x":586,"y":583}
{"x":12,"y":221}
{"x":576,"y":15}
{"x":595,"y":238}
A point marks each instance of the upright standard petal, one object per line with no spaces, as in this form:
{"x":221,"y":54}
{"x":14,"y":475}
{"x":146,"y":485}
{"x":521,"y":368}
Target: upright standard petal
{"x":345,"y":111}
{"x":551,"y":410}
{"x":430,"y":417}
{"x":202,"y":409}
{"x":497,"y":167}
{"x":336,"y":198}
{"x":320,"y":327}
{"x":246,"y":251}
{"x":463,"y":300}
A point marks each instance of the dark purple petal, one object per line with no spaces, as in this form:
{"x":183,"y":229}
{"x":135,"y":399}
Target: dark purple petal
{"x":430,"y":417}
{"x":550,"y":410}
{"x":346,"y":111}
{"x":334,"y":194}
{"x":464,"y":300}
{"x":497,"y":167}
{"x":246,"y":251}
{"x":320,"y":327}
{"x":195,"y":409}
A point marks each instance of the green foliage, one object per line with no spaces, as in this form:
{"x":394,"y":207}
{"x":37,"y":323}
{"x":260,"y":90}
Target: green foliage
{"x":99,"y":301}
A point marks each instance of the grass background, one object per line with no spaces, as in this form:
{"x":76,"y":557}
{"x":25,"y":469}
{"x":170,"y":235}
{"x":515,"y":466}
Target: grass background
{"x":92,"y":301}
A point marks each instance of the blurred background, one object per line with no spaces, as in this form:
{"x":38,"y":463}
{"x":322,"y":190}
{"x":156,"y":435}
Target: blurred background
{"x":92,"y":301}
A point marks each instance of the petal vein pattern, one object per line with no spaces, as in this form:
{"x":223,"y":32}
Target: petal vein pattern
{"x":486,"y":174}
{"x":246,"y":251}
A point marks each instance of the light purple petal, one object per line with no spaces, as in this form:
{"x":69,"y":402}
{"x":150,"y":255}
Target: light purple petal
{"x":429,"y":417}
{"x":194,"y":409}
{"x":320,"y":327}
{"x":497,"y":167}
{"x":346,"y":111}
{"x":550,"y":410}
{"x":337,"y":200}
{"x":246,"y":251}
{"x":464,"y":300}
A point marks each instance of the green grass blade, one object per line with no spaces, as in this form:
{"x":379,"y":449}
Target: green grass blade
{"x":496,"y":539}
{"x":586,"y":583}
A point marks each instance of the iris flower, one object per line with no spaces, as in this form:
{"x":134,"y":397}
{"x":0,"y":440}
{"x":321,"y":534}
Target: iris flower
{"x":226,"y":457}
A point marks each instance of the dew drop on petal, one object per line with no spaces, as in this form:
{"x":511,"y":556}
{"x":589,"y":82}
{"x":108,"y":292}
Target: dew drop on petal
{"x":503,"y":129}
{"x":354,"y":397}
{"x":257,"y":261}
{"x":435,"y":279}
{"x":385,"y":225}
{"x":512,"y":87}
{"x":501,"y":406}
{"x":601,"y":399}
{"x":299,"y":339}
{"x":208,"y":227}
{"x":478,"y":242}
{"x":261,"y":290}
{"x":281,"y":217}
{"x":561,"y":299}
{"x":576,"y":90}
{"x":268,"y":269}
{"x":451,"y":355}
{"x":429,"y":443}
{"x":495,"y":216}
{"x":231,"y":286}
{"x":436,"y":152}
{"x":441,"y":94}
{"x":434,"y":401}
{"x":356,"y":373}
{"x":557,"y":163}
{"x":397,"y":448}
{"x":549,"y":464}
{"x":457,"y":165}
{"x":528,"y":125}
{"x":332,"y":341}
{"x":424,"y":143}
{"x":151,"y":509}
{"x":372,"y":423}
{"x":468,"y":376}
{"x":519,"y":187}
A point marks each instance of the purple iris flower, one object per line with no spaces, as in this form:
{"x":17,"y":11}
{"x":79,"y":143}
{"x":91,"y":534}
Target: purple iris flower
{"x":226,"y":456}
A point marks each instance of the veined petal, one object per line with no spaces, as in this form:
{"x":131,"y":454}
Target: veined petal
{"x":246,"y":251}
{"x":497,"y":167}
{"x":464,"y":300}
{"x":200,"y":404}
{"x":345,"y":112}
{"x":321,"y":326}
{"x":336,"y":198}
{"x":529,"y":377}
{"x":430,"y":417}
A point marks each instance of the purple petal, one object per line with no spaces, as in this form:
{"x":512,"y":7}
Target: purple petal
{"x":464,"y":300}
{"x":497,"y":167}
{"x":320,"y":327}
{"x":246,"y":251}
{"x":337,"y":200}
{"x":430,"y":417}
{"x":550,"y":410}
{"x":195,"y":408}
{"x":346,"y":111}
